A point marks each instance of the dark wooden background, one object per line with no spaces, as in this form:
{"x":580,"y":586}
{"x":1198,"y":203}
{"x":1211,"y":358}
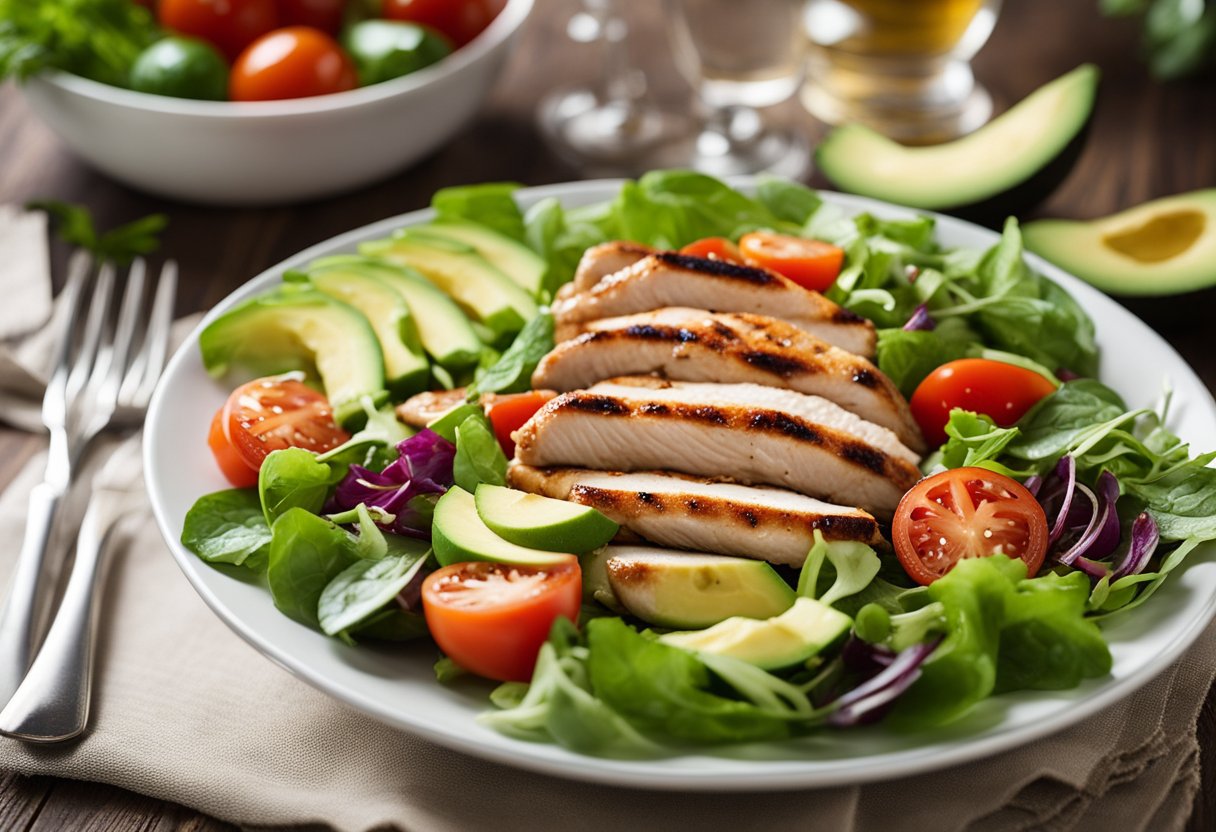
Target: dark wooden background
{"x":1148,"y":140}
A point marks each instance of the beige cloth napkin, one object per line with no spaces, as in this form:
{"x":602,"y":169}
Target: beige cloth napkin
{"x":186,"y":711}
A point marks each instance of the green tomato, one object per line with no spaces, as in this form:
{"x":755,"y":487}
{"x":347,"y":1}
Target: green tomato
{"x":386,"y":49}
{"x":182,"y":68}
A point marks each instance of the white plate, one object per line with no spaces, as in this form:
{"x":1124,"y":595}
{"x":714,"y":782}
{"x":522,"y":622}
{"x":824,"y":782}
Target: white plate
{"x":397,"y":686}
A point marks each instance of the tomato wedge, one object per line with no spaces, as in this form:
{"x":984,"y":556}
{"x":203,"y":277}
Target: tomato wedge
{"x":812,"y":264}
{"x":967,"y":513}
{"x":715,"y":248}
{"x":267,"y":415}
{"x":508,"y":413}
{"x":493,"y":618}
{"x":1003,"y":392}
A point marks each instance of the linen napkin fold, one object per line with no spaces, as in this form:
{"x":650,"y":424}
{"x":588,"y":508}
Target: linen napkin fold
{"x":186,"y":711}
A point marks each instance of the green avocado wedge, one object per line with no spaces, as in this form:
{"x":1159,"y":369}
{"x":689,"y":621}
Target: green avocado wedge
{"x":542,"y":522}
{"x":405,"y":366}
{"x":1163,"y":247}
{"x":691,"y":590}
{"x":1007,"y":165}
{"x":294,"y":329}
{"x":519,"y":262}
{"x":784,"y":640}
{"x":458,"y":535}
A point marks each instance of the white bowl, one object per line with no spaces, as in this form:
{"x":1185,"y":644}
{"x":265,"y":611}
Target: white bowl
{"x":265,"y":152}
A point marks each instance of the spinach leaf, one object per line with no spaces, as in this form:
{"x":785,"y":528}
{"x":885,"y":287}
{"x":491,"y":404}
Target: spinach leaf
{"x":1182,"y":502}
{"x":228,"y":527}
{"x":292,"y":478}
{"x":364,"y":588}
{"x":390,"y":624}
{"x":907,"y":357}
{"x":786,"y":200}
{"x":306,"y":553}
{"x":512,"y":373}
{"x":561,"y":238}
{"x":1054,"y":425}
{"x":492,"y":204}
{"x":479,"y":457}
{"x":666,"y":691}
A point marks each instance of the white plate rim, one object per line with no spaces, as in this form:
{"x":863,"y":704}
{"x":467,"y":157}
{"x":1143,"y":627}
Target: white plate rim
{"x":748,"y":775}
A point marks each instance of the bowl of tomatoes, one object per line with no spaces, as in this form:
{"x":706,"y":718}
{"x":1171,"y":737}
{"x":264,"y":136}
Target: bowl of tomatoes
{"x":270,"y":101}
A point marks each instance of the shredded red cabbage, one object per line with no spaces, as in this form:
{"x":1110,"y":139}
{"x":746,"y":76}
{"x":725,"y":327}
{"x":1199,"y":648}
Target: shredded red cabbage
{"x":871,"y":699}
{"x":407,"y":488}
{"x":920,"y":320}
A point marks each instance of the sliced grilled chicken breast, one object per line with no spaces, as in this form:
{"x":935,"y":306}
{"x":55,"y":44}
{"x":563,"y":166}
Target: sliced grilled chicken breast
{"x":607,"y":258}
{"x":769,"y":524}
{"x":671,"y":279}
{"x":752,"y":434}
{"x":420,"y":410}
{"x":694,"y":345}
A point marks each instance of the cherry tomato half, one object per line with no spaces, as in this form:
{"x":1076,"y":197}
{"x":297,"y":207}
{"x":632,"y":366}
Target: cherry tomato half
{"x":267,"y":415}
{"x":294,"y":62}
{"x":1003,"y":392}
{"x":230,"y":25}
{"x":460,"y":20}
{"x":493,"y":618}
{"x":715,"y":248}
{"x":809,"y":263}
{"x":508,"y":413}
{"x":967,"y":513}
{"x":325,"y":15}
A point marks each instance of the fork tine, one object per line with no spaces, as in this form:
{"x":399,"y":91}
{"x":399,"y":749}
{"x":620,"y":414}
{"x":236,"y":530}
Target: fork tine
{"x":54,"y":404}
{"x":150,"y":361}
{"x":86,"y":359}
{"x":128,"y":326}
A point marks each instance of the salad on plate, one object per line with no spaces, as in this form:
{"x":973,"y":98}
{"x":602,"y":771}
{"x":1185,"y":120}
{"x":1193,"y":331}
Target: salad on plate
{"x":694,"y":467}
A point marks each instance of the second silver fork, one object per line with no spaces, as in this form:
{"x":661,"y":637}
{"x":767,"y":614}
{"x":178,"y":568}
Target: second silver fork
{"x":102,"y":379}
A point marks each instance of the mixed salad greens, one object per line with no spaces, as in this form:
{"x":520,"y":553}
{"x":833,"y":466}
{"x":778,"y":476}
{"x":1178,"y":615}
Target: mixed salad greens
{"x":345,"y":530}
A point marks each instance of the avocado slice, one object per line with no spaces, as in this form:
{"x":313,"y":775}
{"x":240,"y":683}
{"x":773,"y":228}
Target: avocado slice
{"x":1163,"y":247}
{"x":445,"y":332}
{"x":405,"y":366}
{"x":516,"y":260}
{"x":1007,"y":165}
{"x":477,"y":286}
{"x":542,"y":522}
{"x":691,"y":590}
{"x":782,"y":641}
{"x":294,"y":329}
{"x":458,"y":535}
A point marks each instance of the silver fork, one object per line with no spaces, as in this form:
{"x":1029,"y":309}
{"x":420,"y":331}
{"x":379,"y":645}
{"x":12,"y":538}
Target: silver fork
{"x":101,"y":380}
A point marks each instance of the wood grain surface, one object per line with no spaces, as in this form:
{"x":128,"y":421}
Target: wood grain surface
{"x":1148,"y":140}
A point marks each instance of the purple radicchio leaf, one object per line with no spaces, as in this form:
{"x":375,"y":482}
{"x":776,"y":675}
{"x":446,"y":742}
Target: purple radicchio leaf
{"x":920,"y":320}
{"x":872,"y":698}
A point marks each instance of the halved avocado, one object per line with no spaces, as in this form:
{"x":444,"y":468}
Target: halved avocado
{"x":1002,"y":168}
{"x":690,"y":590}
{"x":302,"y":330}
{"x":405,"y":366}
{"x":445,"y":332}
{"x":1163,"y":247}
{"x":781,"y":641}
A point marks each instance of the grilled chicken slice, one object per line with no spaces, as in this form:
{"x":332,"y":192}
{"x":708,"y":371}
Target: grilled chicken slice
{"x":695,"y":345}
{"x":752,"y":434}
{"x":607,"y":258}
{"x":769,"y":524}
{"x":420,"y":410}
{"x":671,"y":279}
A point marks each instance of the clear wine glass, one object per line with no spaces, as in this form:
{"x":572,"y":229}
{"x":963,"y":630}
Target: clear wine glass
{"x":609,"y":128}
{"x":740,"y":56}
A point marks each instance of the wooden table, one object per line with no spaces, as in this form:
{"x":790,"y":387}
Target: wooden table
{"x":1147,"y":141}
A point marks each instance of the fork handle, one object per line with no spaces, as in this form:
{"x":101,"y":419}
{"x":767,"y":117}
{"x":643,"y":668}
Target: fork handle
{"x":52,"y":703}
{"x":19,"y":619}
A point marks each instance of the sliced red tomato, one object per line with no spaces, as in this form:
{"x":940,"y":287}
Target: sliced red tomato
{"x":230,"y":25}
{"x":508,"y":413}
{"x":967,"y":513}
{"x":293,"y":62}
{"x":266,"y":415}
{"x":809,"y":263}
{"x":460,"y":20}
{"x":493,"y":618}
{"x":714,"y":248}
{"x":325,"y":15}
{"x":1003,"y":392}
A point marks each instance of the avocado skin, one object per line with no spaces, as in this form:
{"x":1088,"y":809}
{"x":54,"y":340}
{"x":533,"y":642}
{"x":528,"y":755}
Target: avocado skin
{"x":1015,"y":201}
